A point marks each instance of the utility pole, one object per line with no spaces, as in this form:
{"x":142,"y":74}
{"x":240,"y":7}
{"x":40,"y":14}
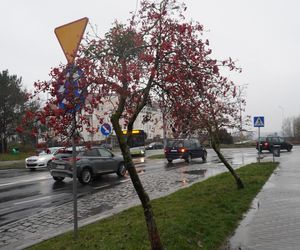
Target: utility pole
{"x":282,"y":120}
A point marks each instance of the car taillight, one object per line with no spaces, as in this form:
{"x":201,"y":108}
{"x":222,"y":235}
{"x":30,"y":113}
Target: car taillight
{"x":182,"y":150}
{"x":166,"y":150}
{"x":266,"y":144}
{"x":54,"y":159}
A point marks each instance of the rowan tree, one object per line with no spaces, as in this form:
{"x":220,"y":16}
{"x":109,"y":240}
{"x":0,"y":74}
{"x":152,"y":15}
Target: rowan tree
{"x":208,"y":105}
{"x":156,"y":56}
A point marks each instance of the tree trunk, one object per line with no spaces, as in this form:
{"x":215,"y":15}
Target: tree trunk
{"x":153,"y":233}
{"x":238,"y":180}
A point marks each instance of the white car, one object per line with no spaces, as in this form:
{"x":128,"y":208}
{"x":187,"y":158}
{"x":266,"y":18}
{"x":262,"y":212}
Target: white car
{"x":42,"y":160}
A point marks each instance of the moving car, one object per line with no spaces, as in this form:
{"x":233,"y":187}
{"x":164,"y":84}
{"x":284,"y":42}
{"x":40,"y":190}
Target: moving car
{"x":155,"y":145}
{"x":186,"y":149}
{"x":42,"y":160}
{"x":267,"y":143}
{"x":89,"y":163}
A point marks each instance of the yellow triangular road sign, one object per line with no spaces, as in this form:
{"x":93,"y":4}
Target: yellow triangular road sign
{"x":69,"y":37}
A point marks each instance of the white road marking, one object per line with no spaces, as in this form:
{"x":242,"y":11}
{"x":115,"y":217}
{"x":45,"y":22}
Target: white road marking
{"x":24,"y":181}
{"x":38,"y":199}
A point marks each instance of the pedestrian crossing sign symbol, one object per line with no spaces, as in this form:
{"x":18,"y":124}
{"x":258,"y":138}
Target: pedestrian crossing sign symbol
{"x":259,"y":121}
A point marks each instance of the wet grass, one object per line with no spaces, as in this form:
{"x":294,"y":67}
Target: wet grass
{"x":12,"y":165}
{"x":13,"y":161}
{"x":15,"y":157}
{"x":201,"y":216}
{"x":159,"y":156}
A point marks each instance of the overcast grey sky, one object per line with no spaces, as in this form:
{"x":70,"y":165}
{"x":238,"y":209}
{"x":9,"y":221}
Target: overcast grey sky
{"x":263,"y":36}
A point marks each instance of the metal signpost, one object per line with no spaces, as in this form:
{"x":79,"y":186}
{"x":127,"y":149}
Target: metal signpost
{"x":105,"y":130}
{"x":259,"y":121}
{"x":73,"y":76}
{"x":69,"y":37}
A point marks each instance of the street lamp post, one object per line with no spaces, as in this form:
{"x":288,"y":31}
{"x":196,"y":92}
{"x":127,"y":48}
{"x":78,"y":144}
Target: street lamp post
{"x":282,"y":119}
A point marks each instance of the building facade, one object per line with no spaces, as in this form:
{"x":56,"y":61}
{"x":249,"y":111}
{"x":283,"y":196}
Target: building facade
{"x":153,"y":127}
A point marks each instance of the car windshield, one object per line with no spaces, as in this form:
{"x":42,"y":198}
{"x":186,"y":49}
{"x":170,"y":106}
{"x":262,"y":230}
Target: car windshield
{"x":175,"y":143}
{"x":42,"y":153}
{"x":53,"y":150}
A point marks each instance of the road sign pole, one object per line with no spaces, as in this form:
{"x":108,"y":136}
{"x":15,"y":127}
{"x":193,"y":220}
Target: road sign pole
{"x":75,"y":219}
{"x":259,"y":121}
{"x":69,"y":37}
{"x":258,"y":144}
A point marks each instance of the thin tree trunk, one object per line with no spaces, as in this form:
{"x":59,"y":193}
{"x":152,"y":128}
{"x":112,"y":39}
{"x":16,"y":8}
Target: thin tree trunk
{"x":153,"y":233}
{"x":239,"y":183}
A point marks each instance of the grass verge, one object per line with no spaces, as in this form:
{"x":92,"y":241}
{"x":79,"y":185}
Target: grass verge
{"x":10,"y":161}
{"x":159,"y":156}
{"x":201,"y":216}
{"x":15,"y":157}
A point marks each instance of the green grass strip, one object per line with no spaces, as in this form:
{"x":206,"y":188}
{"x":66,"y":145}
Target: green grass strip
{"x":201,"y":216}
{"x":15,"y":157}
{"x":159,"y":156}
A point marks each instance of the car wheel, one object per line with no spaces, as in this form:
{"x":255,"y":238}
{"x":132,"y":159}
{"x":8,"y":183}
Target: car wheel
{"x":289,"y":149}
{"x":170,"y":160}
{"x":85,"y":177}
{"x":204,"y":157}
{"x":49,"y":165}
{"x":57,"y":178}
{"x":121,"y":170}
{"x":189,"y":158}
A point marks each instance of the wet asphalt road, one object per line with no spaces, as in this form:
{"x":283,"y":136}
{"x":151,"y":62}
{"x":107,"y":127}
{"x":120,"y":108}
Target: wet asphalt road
{"x":24,"y":192}
{"x":34,"y":208}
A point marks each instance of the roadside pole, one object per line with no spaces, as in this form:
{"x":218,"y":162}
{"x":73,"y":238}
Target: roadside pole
{"x":258,"y":144}
{"x":75,"y":218}
{"x":259,"y":121}
{"x":106,"y":129}
{"x":69,"y":37}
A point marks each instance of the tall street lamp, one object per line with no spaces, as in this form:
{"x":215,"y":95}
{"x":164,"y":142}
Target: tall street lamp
{"x":282,"y":119}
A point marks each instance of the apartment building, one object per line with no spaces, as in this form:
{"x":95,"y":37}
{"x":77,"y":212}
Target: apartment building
{"x":153,"y":127}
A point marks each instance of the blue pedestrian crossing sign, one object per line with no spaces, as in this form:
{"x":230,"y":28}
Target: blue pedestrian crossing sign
{"x":259,"y":121}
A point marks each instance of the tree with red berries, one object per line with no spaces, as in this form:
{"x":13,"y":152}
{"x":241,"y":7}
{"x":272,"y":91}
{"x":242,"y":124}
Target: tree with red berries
{"x":209,"y":103}
{"x":156,"y":57}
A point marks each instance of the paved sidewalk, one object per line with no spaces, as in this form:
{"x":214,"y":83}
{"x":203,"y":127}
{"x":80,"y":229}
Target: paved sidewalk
{"x":274,"y":221}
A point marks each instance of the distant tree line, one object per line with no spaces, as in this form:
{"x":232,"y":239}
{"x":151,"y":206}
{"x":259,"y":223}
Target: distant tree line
{"x":291,"y":127}
{"x":13,"y":102}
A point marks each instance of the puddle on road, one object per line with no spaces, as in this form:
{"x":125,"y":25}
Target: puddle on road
{"x":196,"y":172}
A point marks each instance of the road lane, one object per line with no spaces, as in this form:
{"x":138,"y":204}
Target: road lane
{"x":106,"y":193}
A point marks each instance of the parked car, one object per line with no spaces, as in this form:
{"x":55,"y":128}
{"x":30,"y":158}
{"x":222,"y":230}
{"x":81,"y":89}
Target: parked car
{"x":186,"y":149}
{"x":267,"y":143}
{"x":155,"y":145}
{"x":42,"y":159}
{"x":90,"y":162}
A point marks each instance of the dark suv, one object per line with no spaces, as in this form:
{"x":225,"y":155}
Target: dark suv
{"x":267,"y":143}
{"x":186,"y":149}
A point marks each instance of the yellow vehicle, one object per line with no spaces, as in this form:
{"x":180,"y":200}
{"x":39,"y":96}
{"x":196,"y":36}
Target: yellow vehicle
{"x":137,"y":142}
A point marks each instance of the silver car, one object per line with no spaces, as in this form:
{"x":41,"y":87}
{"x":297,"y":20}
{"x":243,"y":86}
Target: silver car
{"x":89,"y":162}
{"x":42,"y":160}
